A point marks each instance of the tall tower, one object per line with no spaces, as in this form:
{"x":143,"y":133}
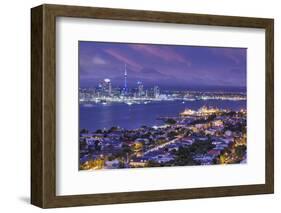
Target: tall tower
{"x":125,"y":79}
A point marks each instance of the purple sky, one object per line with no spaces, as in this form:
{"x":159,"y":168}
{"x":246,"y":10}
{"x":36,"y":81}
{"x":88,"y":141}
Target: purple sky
{"x":168,"y":66}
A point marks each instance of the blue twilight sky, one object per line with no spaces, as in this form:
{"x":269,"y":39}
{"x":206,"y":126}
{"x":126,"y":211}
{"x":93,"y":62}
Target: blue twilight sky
{"x":168,"y":66}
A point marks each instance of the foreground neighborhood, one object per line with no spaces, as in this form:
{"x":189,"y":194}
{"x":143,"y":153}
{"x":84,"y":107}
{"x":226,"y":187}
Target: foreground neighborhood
{"x":206,"y":136}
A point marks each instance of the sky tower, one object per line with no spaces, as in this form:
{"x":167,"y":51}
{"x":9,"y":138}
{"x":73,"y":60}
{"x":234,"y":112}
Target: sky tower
{"x":125,"y":79}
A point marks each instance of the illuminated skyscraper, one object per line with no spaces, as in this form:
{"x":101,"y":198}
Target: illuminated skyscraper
{"x":106,"y":87}
{"x":156,"y":91}
{"x":140,"y":88}
{"x":125,"y":80}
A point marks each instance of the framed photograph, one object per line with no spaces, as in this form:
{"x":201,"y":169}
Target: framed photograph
{"x":136,"y":106}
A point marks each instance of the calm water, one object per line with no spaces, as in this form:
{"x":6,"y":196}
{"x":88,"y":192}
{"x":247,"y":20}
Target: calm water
{"x":130,"y":117}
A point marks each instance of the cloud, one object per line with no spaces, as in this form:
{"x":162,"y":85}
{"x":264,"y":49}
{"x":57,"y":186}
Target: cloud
{"x":164,"y":65}
{"x":123,"y":58}
{"x":161,"y":52}
{"x":98,"y":60}
{"x":236,"y":55}
{"x":150,"y":72}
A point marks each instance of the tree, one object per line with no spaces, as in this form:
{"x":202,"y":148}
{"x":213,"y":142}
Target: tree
{"x":84,"y":131}
{"x":201,"y":147}
{"x":173,"y":151}
{"x":97,"y":145}
{"x":215,"y":160}
{"x":99,"y":131}
{"x":83,"y":144}
{"x":240,"y":151}
{"x":171,"y":134}
{"x":184,"y":157}
{"x":126,"y":150}
{"x":146,"y":135}
{"x":211,"y":117}
{"x":121,"y":165}
{"x":112,"y":129}
{"x":110,"y":158}
{"x":171,"y":121}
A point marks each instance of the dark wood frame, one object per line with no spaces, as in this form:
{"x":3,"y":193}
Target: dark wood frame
{"x":43,"y":105}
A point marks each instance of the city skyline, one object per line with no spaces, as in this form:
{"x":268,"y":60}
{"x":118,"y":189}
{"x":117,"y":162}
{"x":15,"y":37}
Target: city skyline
{"x":148,"y":105}
{"x":175,"y":67}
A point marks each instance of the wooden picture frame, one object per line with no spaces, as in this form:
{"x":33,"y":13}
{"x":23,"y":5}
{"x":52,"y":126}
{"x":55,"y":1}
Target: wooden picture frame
{"x":43,"y":105}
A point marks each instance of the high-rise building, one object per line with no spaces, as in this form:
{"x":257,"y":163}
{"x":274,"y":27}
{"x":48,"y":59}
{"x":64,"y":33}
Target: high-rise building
{"x":109,"y":88}
{"x":156,"y":91}
{"x":106,"y":87}
{"x":140,"y":89}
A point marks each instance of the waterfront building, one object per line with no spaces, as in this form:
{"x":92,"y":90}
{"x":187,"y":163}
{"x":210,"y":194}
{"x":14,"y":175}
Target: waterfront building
{"x":207,"y":111}
{"x":140,"y":89}
{"x":138,"y":163}
{"x":187,"y":112}
{"x":156,"y":91}
{"x":105,"y":87}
